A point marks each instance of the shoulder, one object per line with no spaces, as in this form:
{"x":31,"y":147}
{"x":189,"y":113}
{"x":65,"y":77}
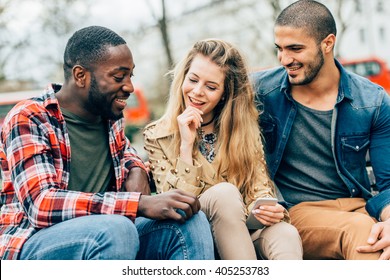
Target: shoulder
{"x":26,"y":109}
{"x":157,"y":129}
{"x":269,"y":79}
{"x":361,"y":91}
{"x":269,"y":83}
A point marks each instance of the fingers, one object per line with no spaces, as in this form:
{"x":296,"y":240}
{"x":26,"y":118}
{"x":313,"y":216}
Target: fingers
{"x":375,"y":232}
{"x":187,"y":202}
{"x":269,"y":215}
{"x":375,"y":248}
{"x":378,"y":240}
{"x":176,"y":205}
{"x":386,"y":254}
{"x":173,"y":214}
{"x":191,"y":115}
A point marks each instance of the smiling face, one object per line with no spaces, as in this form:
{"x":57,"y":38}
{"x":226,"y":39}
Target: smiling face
{"x":203,"y":86}
{"x":299,"y":53}
{"x":110,"y":84}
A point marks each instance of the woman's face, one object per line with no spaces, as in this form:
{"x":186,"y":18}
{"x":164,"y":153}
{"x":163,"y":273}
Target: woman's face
{"x":203,"y":86}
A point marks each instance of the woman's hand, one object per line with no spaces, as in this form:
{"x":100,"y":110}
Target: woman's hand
{"x":188,"y":121}
{"x":269,"y":214}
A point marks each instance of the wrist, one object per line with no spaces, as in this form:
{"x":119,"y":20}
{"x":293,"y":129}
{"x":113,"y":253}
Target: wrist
{"x":186,"y":154}
{"x":141,"y":205}
{"x":385,"y":215}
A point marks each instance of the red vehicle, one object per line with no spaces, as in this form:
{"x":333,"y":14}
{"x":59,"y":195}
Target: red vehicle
{"x":137,"y":111}
{"x":373,"y":68}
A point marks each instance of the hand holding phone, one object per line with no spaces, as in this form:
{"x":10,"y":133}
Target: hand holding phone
{"x":252,"y":222}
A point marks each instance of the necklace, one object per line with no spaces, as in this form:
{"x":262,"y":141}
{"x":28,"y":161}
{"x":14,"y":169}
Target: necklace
{"x":200,"y":130}
{"x":206,"y":124}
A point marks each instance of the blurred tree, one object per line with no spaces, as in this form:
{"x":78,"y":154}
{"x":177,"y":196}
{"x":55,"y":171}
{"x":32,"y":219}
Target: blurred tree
{"x":344,"y":11}
{"x":162,"y":23}
{"x":59,"y":19}
{"x":8,"y":45}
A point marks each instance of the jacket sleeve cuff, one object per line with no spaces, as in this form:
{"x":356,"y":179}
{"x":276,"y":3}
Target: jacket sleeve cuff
{"x":376,"y":204}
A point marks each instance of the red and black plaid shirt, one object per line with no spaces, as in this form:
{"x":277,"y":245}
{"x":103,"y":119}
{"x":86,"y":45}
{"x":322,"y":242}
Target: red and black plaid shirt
{"x":35,"y":159}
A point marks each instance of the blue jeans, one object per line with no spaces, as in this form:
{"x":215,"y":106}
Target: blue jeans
{"x":114,"y":237}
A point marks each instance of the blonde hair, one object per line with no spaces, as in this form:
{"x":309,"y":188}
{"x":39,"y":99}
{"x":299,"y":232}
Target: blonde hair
{"x":239,"y":150}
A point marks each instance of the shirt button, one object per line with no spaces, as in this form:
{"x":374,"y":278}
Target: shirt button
{"x":187,"y":170}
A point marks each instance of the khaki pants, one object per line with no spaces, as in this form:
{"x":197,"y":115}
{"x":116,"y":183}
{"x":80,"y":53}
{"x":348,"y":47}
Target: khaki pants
{"x":224,"y":208}
{"x":332,"y":229}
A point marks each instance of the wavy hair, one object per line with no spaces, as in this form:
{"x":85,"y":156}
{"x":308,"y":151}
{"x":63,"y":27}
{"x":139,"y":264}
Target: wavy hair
{"x":239,"y":150}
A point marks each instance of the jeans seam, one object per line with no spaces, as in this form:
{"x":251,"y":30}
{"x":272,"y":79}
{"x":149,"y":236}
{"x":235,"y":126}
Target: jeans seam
{"x":183,"y":244}
{"x":62,"y":245}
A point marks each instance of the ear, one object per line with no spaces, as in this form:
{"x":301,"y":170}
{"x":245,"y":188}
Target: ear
{"x":80,"y":75}
{"x":328,"y":43}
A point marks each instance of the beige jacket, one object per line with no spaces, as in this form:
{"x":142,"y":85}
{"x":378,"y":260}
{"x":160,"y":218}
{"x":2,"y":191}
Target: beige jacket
{"x":170,"y":172}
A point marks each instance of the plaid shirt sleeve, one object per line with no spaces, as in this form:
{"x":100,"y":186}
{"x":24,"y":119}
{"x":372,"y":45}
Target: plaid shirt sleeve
{"x":35,"y":155}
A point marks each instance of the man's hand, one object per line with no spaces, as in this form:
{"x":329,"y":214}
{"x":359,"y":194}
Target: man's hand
{"x":167,"y":205}
{"x":379,"y":239}
{"x":137,"y":181}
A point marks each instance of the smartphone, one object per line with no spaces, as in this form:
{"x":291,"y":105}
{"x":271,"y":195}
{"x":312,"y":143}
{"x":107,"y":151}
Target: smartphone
{"x":252,"y":222}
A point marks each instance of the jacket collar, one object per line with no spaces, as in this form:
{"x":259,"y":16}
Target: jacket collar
{"x":344,"y":84}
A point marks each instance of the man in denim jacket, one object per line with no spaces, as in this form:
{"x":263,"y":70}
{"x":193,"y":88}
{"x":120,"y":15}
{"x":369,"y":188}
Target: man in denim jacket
{"x":319,"y":122}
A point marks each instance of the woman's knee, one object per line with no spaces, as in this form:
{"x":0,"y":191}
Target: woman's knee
{"x":280,"y":241}
{"x":222,"y":195}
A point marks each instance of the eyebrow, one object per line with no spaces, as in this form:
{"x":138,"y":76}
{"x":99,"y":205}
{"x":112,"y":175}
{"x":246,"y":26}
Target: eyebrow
{"x":124,"y":68}
{"x":291,"y":46}
{"x":206,"y":81}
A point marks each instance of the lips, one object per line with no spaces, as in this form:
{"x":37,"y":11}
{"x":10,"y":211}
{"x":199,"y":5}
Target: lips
{"x":196,"y":102}
{"x":293,"y":68}
{"x":121,"y":102}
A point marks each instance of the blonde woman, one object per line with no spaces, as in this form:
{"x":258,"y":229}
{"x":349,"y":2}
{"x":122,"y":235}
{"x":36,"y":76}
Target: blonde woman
{"x":208,"y":143}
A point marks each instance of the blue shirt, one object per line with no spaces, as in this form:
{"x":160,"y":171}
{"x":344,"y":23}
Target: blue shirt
{"x":360,"y":123}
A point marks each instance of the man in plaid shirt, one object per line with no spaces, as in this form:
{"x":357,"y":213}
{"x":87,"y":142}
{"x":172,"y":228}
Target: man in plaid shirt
{"x":72,"y":188}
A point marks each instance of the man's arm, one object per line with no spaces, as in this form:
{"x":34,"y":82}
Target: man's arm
{"x":138,"y":181}
{"x":175,"y":204}
{"x":380,"y":158}
{"x":378,"y":206}
{"x":36,"y":173}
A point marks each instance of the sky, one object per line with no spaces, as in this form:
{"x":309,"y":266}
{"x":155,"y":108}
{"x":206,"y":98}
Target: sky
{"x":118,"y":15}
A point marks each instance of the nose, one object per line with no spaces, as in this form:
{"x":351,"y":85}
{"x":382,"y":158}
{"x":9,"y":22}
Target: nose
{"x":128,"y":85}
{"x":198,"y":89}
{"x":284,"y":58}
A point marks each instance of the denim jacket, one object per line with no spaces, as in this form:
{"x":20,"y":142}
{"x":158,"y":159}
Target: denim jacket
{"x":360,"y":123}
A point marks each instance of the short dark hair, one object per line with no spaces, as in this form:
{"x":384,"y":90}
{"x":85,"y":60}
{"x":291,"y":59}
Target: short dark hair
{"x":311,"y":15}
{"x":88,"y":46}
